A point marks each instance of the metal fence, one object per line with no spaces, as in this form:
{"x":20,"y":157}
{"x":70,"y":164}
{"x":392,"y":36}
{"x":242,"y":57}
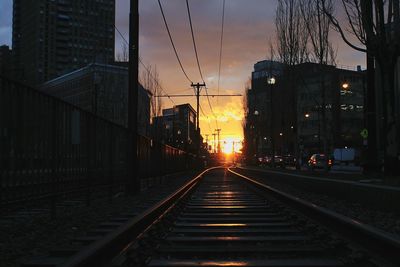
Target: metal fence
{"x":49,"y":148}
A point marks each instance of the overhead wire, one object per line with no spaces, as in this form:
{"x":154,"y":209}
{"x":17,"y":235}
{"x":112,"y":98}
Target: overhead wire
{"x":198,"y":62}
{"x":194,"y":40}
{"x":212,"y":111}
{"x":156,"y":80}
{"x":220,"y":45}
{"x":172,"y":43}
{"x":202,"y":112}
{"x":145,"y":67}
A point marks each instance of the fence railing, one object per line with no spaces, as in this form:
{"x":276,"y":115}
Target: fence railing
{"x":50,"y":148}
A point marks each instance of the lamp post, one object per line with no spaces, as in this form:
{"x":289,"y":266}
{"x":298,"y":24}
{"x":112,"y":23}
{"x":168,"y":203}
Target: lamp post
{"x":256,"y":131}
{"x":307,"y":116}
{"x":271,"y":81}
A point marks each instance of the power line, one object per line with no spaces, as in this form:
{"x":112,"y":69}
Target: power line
{"x":208,"y":123}
{"x":146,"y":68}
{"x":212,"y":111}
{"x":198,"y":62}
{"x":186,"y":95}
{"x":172,"y":42}
{"x":220,"y":48}
{"x":194,"y":41}
{"x":158,"y":84}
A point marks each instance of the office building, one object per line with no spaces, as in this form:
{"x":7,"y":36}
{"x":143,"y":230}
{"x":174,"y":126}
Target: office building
{"x":52,"y":38}
{"x":343,"y":97}
{"x":286,"y":117}
{"x":177,"y":127}
{"x":103,"y":90}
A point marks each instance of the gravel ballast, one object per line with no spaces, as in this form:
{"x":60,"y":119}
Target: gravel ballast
{"x":30,"y":232}
{"x":388,"y":221}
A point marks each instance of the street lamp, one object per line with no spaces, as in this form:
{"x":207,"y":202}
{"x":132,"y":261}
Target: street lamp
{"x":271,"y":81}
{"x":256,"y":131}
{"x":307,"y":115}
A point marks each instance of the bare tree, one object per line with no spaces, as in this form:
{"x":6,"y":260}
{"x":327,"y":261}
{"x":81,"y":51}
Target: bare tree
{"x":246,"y":123}
{"x":247,"y":87}
{"x":318,"y":26}
{"x":292,"y":45}
{"x":291,"y":37}
{"x":123,"y":56}
{"x":151,"y":81}
{"x":375,"y":24}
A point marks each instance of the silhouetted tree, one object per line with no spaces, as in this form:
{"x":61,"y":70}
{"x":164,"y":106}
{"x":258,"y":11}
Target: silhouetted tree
{"x":291,"y":38}
{"x":150,"y":81}
{"x":123,"y":55}
{"x":321,"y":51}
{"x":292,"y":46}
{"x":375,"y":24}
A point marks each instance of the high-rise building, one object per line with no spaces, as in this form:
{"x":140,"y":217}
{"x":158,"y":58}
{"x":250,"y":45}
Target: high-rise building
{"x":5,"y":60}
{"x":51,"y":38}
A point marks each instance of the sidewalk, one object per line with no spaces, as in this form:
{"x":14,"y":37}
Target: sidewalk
{"x":346,"y":173}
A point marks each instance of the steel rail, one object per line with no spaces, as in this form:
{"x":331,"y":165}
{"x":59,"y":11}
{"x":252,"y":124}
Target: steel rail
{"x":374,"y":240}
{"x":104,"y":250}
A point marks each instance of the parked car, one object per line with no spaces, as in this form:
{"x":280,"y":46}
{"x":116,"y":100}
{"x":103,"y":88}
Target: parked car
{"x":289,"y":160}
{"x":317,"y":161}
{"x":264,"y":160}
{"x":344,"y":155}
{"x":279,"y":162}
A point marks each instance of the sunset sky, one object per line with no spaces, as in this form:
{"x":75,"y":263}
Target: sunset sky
{"x":249,"y":24}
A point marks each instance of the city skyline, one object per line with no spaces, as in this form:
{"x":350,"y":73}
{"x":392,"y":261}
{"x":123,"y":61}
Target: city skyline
{"x":250,"y":24}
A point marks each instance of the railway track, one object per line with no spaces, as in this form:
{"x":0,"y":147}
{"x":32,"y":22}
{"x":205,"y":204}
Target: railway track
{"x":221,"y":218}
{"x":225,"y":223}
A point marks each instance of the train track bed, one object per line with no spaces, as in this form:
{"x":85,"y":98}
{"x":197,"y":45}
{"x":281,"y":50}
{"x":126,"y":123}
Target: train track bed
{"x":30,"y":233}
{"x":366,"y":208}
{"x":377,"y":179}
{"x":228,"y":221}
{"x":223,"y":218}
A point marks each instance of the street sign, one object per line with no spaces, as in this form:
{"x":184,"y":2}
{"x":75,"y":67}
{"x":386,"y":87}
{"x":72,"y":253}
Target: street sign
{"x":364,"y":133}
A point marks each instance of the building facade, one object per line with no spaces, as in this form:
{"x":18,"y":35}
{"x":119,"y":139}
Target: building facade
{"x":103,"y":90}
{"x":342,"y":93}
{"x":286,"y":117}
{"x":177,"y":127}
{"x":52,"y":38}
{"x":263,"y":101}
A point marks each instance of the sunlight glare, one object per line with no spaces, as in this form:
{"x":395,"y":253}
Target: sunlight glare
{"x":231,"y":144}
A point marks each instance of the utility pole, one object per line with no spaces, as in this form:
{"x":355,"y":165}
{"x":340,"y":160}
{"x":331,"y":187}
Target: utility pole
{"x":214,"y":134}
{"x":219,"y":145}
{"x":198,"y":87}
{"x":271,"y":82}
{"x":133,"y":183}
